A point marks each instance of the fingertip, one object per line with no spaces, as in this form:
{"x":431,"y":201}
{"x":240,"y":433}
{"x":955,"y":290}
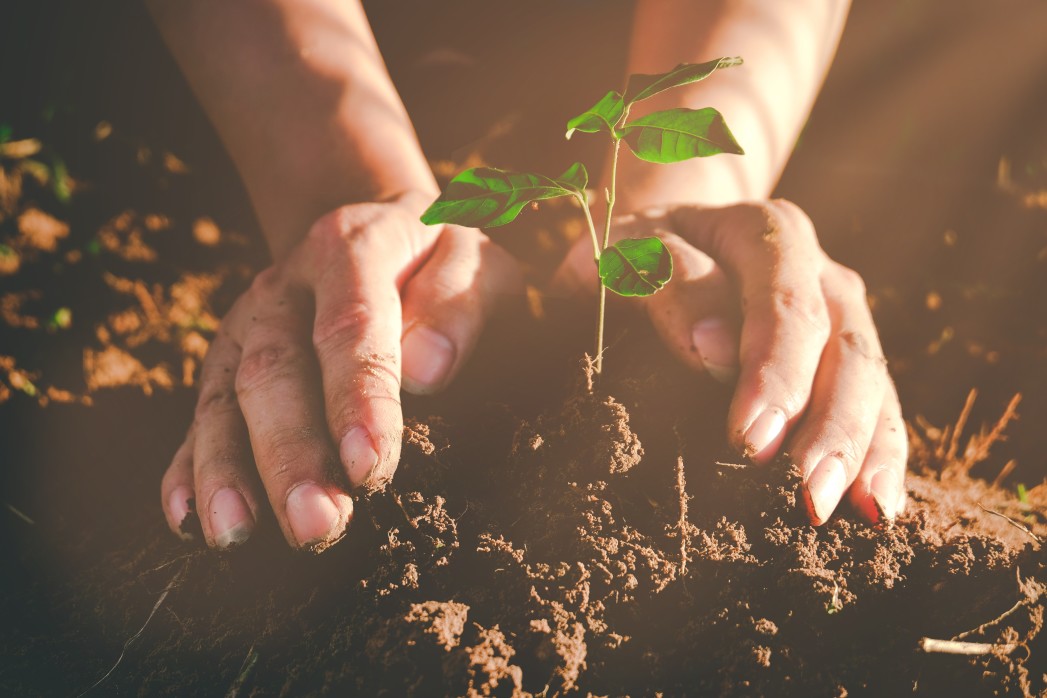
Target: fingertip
{"x":178,"y":507}
{"x":824,"y":488}
{"x":316,"y":517}
{"x":231,"y":519}
{"x":359,"y":455}
{"x":884,"y":490}
{"x":764,"y":436}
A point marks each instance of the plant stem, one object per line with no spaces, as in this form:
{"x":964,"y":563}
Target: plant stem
{"x":598,"y":366}
{"x":592,"y":227}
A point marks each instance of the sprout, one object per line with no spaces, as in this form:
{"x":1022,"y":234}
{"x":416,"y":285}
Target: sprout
{"x":488,"y":197}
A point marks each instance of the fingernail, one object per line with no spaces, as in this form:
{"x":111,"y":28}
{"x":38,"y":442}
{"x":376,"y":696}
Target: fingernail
{"x":427,"y":356}
{"x":764,"y":436}
{"x":884,"y":489}
{"x":825,"y":487}
{"x":178,"y":504}
{"x":313,"y":515}
{"x":231,"y":519}
{"x":714,"y":342}
{"x":358,"y":455}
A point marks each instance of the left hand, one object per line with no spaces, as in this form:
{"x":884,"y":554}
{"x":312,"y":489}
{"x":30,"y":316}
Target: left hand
{"x":753,"y":295}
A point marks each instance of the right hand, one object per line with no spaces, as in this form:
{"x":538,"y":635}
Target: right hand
{"x":300,"y":391}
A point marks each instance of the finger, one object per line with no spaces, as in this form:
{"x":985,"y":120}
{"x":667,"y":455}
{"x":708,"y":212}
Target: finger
{"x":878,"y":493}
{"x":447,"y":302}
{"x":356,"y":336}
{"x":772,"y":254}
{"x":228,"y":498}
{"x":176,"y":488}
{"x":696,"y":314}
{"x":278,"y":388}
{"x":831,"y":443}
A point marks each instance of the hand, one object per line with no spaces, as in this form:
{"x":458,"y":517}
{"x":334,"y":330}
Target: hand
{"x":754,"y":296}
{"x":300,"y":390}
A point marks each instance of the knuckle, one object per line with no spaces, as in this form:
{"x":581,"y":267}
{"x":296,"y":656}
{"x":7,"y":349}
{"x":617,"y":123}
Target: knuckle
{"x":848,"y":449}
{"x":345,"y":325}
{"x":790,"y":305}
{"x":265,"y":364}
{"x":218,"y":464}
{"x":383,"y":367}
{"x":867,"y":350}
{"x":288,"y":449}
{"x":215,"y":398}
{"x":850,"y":282}
{"x":267,"y":282}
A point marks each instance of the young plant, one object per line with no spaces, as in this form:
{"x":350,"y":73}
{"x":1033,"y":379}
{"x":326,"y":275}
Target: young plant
{"x":484,"y":197}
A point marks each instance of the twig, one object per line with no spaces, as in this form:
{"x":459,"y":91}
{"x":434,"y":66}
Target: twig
{"x":732,"y":466}
{"x":1020,"y":527}
{"x":245,"y":671}
{"x":932,"y":646}
{"x":961,"y":423}
{"x":131,"y":640}
{"x":978,"y":447}
{"x":1006,"y":470}
{"x":19,"y":514}
{"x":994,"y":621}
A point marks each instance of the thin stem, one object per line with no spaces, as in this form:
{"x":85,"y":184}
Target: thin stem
{"x":598,"y":367}
{"x":592,"y":227}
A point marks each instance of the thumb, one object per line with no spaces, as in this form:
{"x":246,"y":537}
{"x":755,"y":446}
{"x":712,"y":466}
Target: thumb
{"x":446,"y":303}
{"x":696,"y":313}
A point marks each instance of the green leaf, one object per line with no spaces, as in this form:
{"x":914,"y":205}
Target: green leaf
{"x":679,"y":134}
{"x":636,"y":267}
{"x":484,"y":197}
{"x":605,"y":114}
{"x":5,"y":132}
{"x":642,"y":86}
{"x":576,"y":177}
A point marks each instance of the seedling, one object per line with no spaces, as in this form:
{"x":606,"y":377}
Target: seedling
{"x":484,"y":197}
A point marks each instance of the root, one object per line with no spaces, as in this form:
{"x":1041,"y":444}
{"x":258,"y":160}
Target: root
{"x":938,"y":450}
{"x":131,"y":640}
{"x":1030,"y":596}
{"x":681,"y":492}
{"x":1020,"y":527}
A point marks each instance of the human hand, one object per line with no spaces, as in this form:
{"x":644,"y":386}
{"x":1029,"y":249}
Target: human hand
{"x":300,"y":391}
{"x":755,"y":297}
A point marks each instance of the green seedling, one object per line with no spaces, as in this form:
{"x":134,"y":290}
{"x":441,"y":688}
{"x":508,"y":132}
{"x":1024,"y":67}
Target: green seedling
{"x":485,"y":197}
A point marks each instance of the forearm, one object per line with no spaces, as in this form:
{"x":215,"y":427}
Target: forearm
{"x":300,"y":96}
{"x":787,"y":46}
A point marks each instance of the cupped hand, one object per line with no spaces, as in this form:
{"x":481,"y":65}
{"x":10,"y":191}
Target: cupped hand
{"x":300,"y":392}
{"x":755,"y":299}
